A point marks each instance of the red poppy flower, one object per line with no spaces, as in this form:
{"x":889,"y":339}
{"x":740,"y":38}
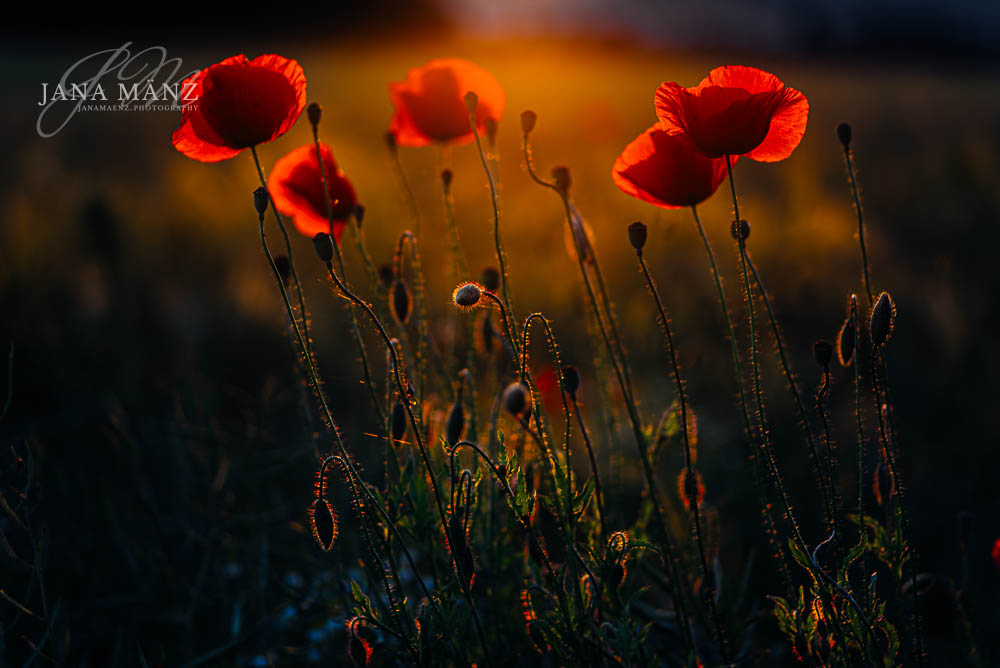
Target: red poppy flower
{"x":665,"y":170}
{"x":430,"y":104}
{"x":995,"y":553}
{"x":736,"y":110}
{"x":238,"y":103}
{"x":296,"y":186}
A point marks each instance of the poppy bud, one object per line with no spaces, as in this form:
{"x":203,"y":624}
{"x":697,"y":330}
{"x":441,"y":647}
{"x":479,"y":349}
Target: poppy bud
{"x":323,"y":243}
{"x":386,"y":274}
{"x":467,"y":295}
{"x":562,"y":177}
{"x":882,"y":484}
{"x":323,"y":521}
{"x":637,"y":236}
{"x":845,"y":343}
{"x":454,"y":424}
{"x":823,"y":352}
{"x":491,"y":279}
{"x":359,"y":213}
{"x":882,"y":320}
{"x":260,"y":199}
{"x":491,"y":127}
{"x":617,"y":574}
{"x":740,"y":230}
{"x":397,"y":422}
{"x":446,"y":176}
{"x":471,"y":101}
{"x":284,"y":268}
{"x":401,"y":302}
{"x":517,"y":399}
{"x":314,"y":112}
{"x":571,"y":379}
{"x":390,"y":141}
{"x":528,"y":120}
{"x":359,"y":650}
{"x":844,"y":134}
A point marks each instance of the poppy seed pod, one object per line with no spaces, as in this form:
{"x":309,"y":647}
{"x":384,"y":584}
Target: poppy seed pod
{"x":284,"y":268}
{"x":845,"y":343}
{"x":323,"y":243}
{"x":528,"y":120}
{"x":260,"y":199}
{"x":517,"y":399}
{"x":402,"y":305}
{"x":882,"y":320}
{"x":314,"y":112}
{"x":467,"y":295}
{"x":454,"y":424}
{"x":571,"y":380}
{"x":491,"y":279}
{"x":637,"y":236}
{"x":823,"y":352}
{"x":446,"y":177}
{"x":844,"y":134}
{"x":740,"y":230}
{"x":562,"y":178}
{"x":397,"y":422}
{"x":386,"y":275}
{"x":471,"y":101}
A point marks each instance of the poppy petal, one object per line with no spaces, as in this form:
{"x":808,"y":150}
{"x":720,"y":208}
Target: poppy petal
{"x":430,"y":106}
{"x":666,"y":170}
{"x":296,"y":185}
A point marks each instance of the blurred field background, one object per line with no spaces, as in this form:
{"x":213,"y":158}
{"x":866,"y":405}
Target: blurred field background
{"x":154,"y":381}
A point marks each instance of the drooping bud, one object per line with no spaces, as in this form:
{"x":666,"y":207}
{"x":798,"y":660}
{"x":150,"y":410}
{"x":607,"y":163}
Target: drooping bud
{"x":844,"y":134}
{"x":446,"y":177}
{"x":359,"y":214}
{"x":397,"y":422}
{"x":455,"y":423}
{"x":571,"y":380}
{"x":260,"y":199}
{"x":517,"y":399}
{"x":637,"y":236}
{"x":471,"y":101}
{"x":314,"y":112}
{"x":359,"y":649}
{"x":284,"y":268}
{"x":491,"y":279}
{"x":845,"y":343}
{"x":882,"y":484}
{"x":467,"y":295}
{"x":739,"y":230}
{"x":323,"y":522}
{"x":402,"y":305}
{"x":491,"y":126}
{"x":562,"y":178}
{"x":882,"y":320}
{"x":528,"y":120}
{"x":323,"y":243}
{"x":386,"y":274}
{"x":823,"y":352}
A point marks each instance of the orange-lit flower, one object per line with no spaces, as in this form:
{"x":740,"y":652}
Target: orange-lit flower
{"x":667,"y":171}
{"x":238,"y":103}
{"x":736,"y":110}
{"x":430,"y":105}
{"x":297,"y":188}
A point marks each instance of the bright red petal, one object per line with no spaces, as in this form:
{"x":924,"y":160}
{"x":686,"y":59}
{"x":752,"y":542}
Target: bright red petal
{"x":665,"y":170}
{"x":430,"y":106}
{"x":788,"y":126}
{"x":296,"y":186}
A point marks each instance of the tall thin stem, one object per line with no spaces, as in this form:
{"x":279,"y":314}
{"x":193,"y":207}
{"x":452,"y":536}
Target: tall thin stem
{"x":694,"y":502}
{"x":849,"y":159}
{"x":593,"y":466}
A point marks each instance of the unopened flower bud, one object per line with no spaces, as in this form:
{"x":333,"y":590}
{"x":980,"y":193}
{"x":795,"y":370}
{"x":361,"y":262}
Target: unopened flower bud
{"x":844,"y":134}
{"x":740,"y":230}
{"x":562,"y":178}
{"x":637,"y":236}
{"x":397,"y":422}
{"x":823,"y":352}
{"x":401,"y":302}
{"x":528,"y":120}
{"x":571,"y":379}
{"x":260,"y":199}
{"x":845,"y":342}
{"x":882,"y":320}
{"x":517,"y":399}
{"x":455,"y":423}
{"x":471,"y":101}
{"x":467,"y":295}
{"x":284,"y":268}
{"x":314,"y":112}
{"x":491,"y":279}
{"x":446,"y":177}
{"x":359,"y":213}
{"x":323,"y":243}
{"x":386,"y":274}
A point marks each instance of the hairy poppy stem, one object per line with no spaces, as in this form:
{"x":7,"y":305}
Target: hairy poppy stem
{"x":821,"y":411}
{"x":849,"y":161}
{"x":794,"y":387}
{"x":409,"y":195}
{"x":770,"y":528}
{"x":355,"y":331}
{"x":401,"y":388}
{"x":593,"y":466}
{"x":288,"y":249}
{"x":501,"y":255}
{"x":694,"y":502}
{"x":862,"y":475}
